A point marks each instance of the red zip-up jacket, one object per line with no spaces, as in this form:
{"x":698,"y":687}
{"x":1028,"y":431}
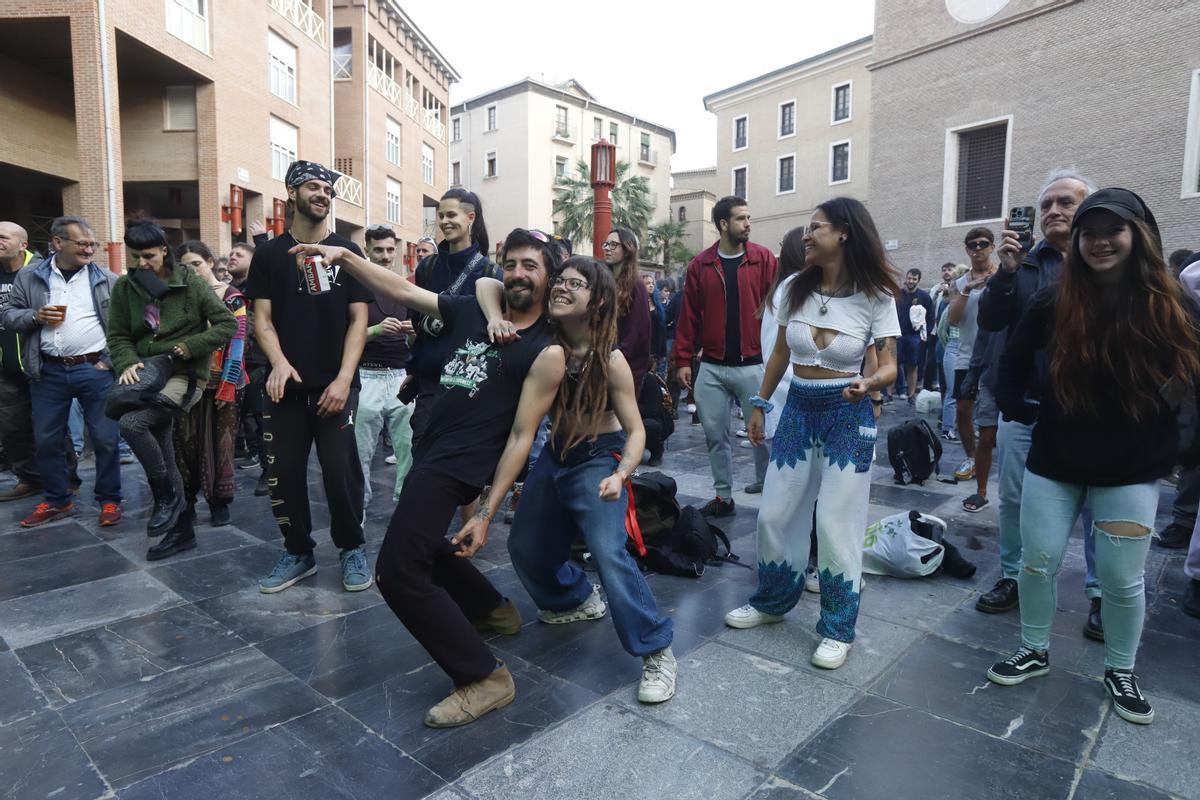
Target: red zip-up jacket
{"x":702,"y":321}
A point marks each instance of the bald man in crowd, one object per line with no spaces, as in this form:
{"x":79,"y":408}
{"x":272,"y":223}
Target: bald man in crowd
{"x":16,"y":413}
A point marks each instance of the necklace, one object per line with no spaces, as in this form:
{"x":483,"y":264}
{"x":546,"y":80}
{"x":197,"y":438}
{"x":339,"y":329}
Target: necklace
{"x":824,"y":301}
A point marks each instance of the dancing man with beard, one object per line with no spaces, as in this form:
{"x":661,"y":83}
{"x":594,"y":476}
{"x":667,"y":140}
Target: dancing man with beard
{"x":428,"y":581}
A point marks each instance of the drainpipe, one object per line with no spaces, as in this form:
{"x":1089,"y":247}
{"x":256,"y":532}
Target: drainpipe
{"x":114,"y":246}
{"x":366,"y":130}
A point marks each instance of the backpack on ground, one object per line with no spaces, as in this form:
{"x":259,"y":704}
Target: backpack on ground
{"x":653,"y":510}
{"x":692,"y":546}
{"x":914,"y":452}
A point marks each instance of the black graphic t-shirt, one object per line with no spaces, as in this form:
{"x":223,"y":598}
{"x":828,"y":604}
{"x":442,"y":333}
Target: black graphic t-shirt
{"x":311,"y":328}
{"x":480,"y":388}
{"x":10,"y":344}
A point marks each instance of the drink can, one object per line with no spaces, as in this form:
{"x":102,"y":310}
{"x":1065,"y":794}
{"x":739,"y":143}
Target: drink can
{"x":316,"y":275}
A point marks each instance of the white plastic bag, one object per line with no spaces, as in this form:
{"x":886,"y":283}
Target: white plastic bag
{"x":892,"y":547}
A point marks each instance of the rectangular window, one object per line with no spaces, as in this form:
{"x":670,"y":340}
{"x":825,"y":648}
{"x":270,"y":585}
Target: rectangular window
{"x":560,"y":168}
{"x":281,"y":57}
{"x":427,"y":163}
{"x":561,"y":129}
{"x":644,"y":149}
{"x":787,"y":175}
{"x":981,"y":172}
{"x":491,"y":118}
{"x":739,"y":182}
{"x":188,"y":20}
{"x":456,"y":129}
{"x":343,"y":54}
{"x":787,"y":119}
{"x":393,"y":201}
{"x":839,"y":162}
{"x":391,"y":137}
{"x":489,"y":164}
{"x":283,"y":147}
{"x":456,"y":174}
{"x":741,"y":133}
{"x":841,"y":103}
{"x":612,"y":132}
{"x":597,"y":128}
{"x":179,"y":108}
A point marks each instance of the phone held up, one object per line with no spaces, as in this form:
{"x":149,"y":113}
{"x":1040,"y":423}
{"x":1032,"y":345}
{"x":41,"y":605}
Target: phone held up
{"x":1020,"y":222}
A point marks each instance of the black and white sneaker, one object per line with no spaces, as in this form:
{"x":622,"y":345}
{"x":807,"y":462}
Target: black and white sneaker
{"x":1127,"y":698}
{"x":1024,"y":663}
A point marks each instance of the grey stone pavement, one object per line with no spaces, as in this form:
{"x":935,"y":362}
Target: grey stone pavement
{"x":180,"y":680}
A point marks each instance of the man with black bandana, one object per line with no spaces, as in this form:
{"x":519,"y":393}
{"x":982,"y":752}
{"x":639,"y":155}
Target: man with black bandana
{"x":313,"y":342}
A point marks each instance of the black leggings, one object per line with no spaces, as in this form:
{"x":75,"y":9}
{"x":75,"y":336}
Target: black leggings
{"x":147,"y":431}
{"x":435,"y":593}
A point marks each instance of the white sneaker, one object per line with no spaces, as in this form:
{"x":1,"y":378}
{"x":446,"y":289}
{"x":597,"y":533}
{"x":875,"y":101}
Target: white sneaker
{"x":746,"y":444}
{"x":691,"y":408}
{"x":743,"y":433}
{"x":592,"y":608}
{"x":390,"y":460}
{"x":966,"y":470}
{"x":811,"y":582}
{"x":658,"y":677}
{"x":749,"y":617}
{"x":830,"y":654}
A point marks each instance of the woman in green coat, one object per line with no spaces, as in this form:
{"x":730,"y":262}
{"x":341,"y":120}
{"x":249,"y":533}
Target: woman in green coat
{"x":162,"y":308}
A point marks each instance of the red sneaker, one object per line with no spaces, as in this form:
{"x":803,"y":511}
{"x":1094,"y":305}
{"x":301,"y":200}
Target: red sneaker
{"x":110,"y":514}
{"x":46,"y":513}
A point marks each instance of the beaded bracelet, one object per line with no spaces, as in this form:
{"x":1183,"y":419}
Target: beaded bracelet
{"x":766,"y":406}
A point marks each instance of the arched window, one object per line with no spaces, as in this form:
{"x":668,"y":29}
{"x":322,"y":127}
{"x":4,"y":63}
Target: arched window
{"x":683,"y":213}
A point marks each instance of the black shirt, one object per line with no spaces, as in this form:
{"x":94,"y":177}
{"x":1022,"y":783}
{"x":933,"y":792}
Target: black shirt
{"x":388,"y":349}
{"x":437,"y":273}
{"x":10,"y":345}
{"x":480,"y":387}
{"x":311,"y":328}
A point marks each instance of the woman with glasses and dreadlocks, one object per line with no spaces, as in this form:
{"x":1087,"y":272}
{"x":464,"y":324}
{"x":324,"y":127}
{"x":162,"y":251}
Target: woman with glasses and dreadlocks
{"x":576,"y":488}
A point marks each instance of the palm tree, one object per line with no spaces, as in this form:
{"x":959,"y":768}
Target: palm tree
{"x":666,"y":239}
{"x":573,"y":203}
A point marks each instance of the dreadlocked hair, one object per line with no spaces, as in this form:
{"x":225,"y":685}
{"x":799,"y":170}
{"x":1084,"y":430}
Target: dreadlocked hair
{"x":1122,"y":341}
{"x":583,"y":394}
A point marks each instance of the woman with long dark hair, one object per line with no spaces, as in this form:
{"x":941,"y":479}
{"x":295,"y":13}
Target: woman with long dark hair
{"x":633,"y":303}
{"x":1121,"y":348}
{"x":163,"y":308}
{"x":577,"y":485}
{"x":206,"y":435}
{"x":832,"y":310}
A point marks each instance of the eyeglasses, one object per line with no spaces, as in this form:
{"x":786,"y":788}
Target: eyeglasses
{"x":611,"y":245}
{"x":812,"y":226}
{"x":571,"y":284}
{"x":979,"y":244}
{"x":82,"y":244}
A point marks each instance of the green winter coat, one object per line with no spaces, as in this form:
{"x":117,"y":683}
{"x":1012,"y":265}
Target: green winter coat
{"x":190,"y":316}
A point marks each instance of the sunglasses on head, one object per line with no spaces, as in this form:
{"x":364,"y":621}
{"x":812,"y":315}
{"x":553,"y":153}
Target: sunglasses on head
{"x":536,"y":234}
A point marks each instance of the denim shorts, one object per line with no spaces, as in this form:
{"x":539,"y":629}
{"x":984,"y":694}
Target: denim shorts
{"x":987,"y":413}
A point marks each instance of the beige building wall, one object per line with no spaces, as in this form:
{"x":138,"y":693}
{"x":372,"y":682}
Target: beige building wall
{"x":1050,"y":68}
{"x":692,"y":208}
{"x":809,"y":85}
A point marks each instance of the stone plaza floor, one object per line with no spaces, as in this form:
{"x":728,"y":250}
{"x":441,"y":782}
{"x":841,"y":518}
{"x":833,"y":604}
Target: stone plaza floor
{"x":180,"y":679}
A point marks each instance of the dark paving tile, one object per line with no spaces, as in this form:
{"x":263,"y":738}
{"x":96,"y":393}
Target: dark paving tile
{"x":219,"y":573}
{"x":1163,"y":661}
{"x":21,"y":543}
{"x":905,"y":497}
{"x":348,"y":654}
{"x":881,"y":749}
{"x":776,"y":788}
{"x":129,"y":651}
{"x":1055,"y":713}
{"x":918,"y":603}
{"x":325,"y":754}
{"x":1096,"y":785}
{"x":42,"y":760}
{"x":20,"y":698}
{"x":396,"y":710}
{"x":58,"y":570}
{"x":1162,"y":755}
{"x":133,"y":543}
{"x":588,"y":653}
{"x":135,"y":731}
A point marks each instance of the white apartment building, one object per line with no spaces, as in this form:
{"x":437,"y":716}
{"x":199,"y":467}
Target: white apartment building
{"x":794,"y":137}
{"x":511,"y":146}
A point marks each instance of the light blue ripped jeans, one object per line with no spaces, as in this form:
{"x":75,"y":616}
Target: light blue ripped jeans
{"x":1049,"y":509}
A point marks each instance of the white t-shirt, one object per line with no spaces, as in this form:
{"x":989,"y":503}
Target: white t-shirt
{"x":859,"y":320}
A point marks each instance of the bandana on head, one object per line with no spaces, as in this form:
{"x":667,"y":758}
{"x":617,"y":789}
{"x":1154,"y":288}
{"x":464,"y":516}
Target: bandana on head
{"x":301,"y":172}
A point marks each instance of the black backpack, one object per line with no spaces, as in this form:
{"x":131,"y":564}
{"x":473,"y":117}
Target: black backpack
{"x":692,"y":545}
{"x":914,"y":452}
{"x":655,"y":511}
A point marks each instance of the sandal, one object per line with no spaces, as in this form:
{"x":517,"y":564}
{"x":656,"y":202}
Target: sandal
{"x":974,"y":504}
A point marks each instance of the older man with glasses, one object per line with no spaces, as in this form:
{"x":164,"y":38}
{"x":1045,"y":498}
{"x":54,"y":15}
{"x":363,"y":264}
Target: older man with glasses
{"x":60,"y":309}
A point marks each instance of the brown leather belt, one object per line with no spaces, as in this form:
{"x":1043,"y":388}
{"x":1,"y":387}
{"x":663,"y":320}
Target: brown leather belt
{"x":71,"y":361}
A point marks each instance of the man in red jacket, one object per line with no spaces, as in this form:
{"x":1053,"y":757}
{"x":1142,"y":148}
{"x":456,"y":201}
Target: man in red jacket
{"x":723,"y":289}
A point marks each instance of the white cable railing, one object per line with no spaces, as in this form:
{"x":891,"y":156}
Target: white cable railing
{"x":349,"y":189}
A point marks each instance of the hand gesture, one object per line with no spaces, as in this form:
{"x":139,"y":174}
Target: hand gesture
{"x":755,"y":427}
{"x":685,"y":377}
{"x":610,"y":487}
{"x":334,"y":398}
{"x":330,"y":254}
{"x":277,"y":380}
{"x":393,"y":325}
{"x":130,"y":375}
{"x":856,"y":391}
{"x":256,"y":228}
{"x":48,"y":315}
{"x":1010,"y":250}
{"x":473,"y":535}
{"x":502,"y":331}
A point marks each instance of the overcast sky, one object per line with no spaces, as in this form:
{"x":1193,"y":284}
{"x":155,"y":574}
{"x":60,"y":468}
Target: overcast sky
{"x":648,"y":58}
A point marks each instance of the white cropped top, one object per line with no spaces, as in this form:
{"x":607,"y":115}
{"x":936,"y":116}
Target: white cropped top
{"x":858,"y":319}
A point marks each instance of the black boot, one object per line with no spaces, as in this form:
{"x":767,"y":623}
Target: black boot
{"x":182,"y":537}
{"x":168,"y":504}
{"x":1094,"y":627}
{"x":219,"y":514}
{"x":261,"y":489}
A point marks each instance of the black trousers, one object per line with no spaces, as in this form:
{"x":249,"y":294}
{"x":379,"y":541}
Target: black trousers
{"x":655,"y":441}
{"x":435,"y":593}
{"x":291,"y":427}
{"x":1187,"y":497}
{"x":251,"y":409}
{"x":16,"y":427}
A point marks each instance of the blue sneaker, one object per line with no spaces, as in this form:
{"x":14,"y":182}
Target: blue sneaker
{"x":356,"y":576}
{"x":289,"y":569}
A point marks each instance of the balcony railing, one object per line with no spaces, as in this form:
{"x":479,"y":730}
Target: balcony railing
{"x":349,"y":189}
{"x":378,"y":80}
{"x":184,"y":23}
{"x":648,"y":157}
{"x":343,"y":66}
{"x":565,"y":134}
{"x":300,"y":14}
{"x":433,"y":124}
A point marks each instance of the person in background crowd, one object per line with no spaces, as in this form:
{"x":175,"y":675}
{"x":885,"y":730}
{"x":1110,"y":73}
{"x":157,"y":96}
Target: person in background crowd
{"x":257,"y":368}
{"x":964,"y":314}
{"x":910,"y":346}
{"x":160,"y":308}
{"x":1122,"y":354}
{"x":947,"y":349}
{"x":672,"y":300}
{"x":658,"y":328}
{"x":724,"y":287}
{"x":1023,"y":272}
{"x":16,"y":419}
{"x":59,"y":308}
{"x":830,"y":313}
{"x":1179,"y":533}
{"x":205,"y":435}
{"x":931,"y":372}
{"x":426,"y":247}
{"x":381,"y":370}
{"x":314,"y":342}
{"x":1178,"y":259}
{"x":220,"y":270}
{"x":633,"y":302}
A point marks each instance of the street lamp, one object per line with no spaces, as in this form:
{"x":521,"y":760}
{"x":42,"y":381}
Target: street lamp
{"x":604,"y":178}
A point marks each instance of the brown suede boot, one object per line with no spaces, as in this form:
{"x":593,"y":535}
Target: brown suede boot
{"x":469,"y":703}
{"x":505,"y":619}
